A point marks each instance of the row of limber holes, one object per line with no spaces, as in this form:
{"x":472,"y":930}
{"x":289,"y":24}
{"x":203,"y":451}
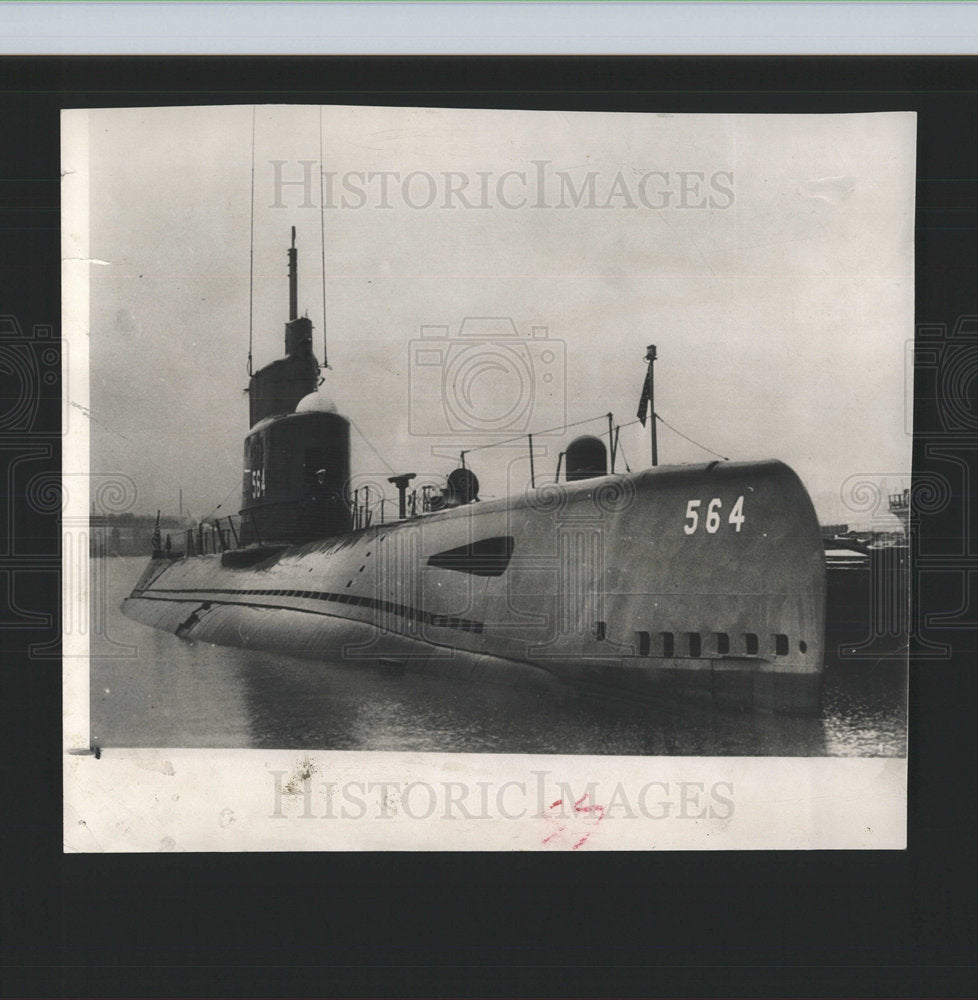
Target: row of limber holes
{"x":717,"y":644}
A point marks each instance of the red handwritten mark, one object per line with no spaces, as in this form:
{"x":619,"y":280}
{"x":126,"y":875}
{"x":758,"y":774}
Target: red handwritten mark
{"x":579,"y":807}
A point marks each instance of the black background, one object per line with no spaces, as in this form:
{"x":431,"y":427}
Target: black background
{"x":690,"y":924}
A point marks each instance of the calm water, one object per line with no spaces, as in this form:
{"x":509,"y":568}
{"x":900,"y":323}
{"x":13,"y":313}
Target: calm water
{"x":149,"y":688}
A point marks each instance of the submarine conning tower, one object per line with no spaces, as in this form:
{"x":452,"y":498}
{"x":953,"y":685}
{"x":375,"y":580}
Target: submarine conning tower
{"x":297,"y":452}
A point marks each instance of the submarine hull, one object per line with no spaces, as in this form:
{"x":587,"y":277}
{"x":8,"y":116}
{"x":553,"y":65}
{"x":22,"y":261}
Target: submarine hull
{"x":703,"y":582}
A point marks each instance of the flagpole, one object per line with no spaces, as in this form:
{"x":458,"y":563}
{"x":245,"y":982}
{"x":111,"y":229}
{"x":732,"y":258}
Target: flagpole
{"x":650,"y":357}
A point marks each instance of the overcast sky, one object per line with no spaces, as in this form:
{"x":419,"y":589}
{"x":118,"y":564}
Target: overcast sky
{"x":769,"y":259}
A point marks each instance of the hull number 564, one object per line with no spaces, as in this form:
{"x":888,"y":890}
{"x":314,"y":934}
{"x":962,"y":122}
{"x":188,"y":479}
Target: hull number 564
{"x":713,"y":517}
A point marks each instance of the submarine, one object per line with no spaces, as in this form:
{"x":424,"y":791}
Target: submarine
{"x":704,"y":582}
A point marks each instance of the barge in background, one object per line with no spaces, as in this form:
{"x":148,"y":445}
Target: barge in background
{"x":697,"y":580}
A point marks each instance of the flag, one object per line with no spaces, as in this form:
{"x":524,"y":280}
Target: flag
{"x":643,"y":406}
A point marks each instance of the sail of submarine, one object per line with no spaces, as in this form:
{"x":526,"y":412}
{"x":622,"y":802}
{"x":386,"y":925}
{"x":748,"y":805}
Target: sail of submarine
{"x":694,"y":581}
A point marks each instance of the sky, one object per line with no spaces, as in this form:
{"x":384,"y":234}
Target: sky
{"x":489,"y":273}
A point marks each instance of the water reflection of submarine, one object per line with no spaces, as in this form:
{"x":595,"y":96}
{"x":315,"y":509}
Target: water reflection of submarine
{"x":702,"y":580}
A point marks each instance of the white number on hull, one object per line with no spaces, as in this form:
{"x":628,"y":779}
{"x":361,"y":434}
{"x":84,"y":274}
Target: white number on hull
{"x":257,"y":482}
{"x":737,"y":514}
{"x":713,"y":516}
{"x":713,"y":519}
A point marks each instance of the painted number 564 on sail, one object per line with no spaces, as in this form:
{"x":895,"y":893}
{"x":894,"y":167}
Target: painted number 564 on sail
{"x":713,"y":517}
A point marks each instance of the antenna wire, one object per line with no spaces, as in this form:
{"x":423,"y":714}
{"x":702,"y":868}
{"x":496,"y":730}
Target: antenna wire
{"x":322,"y":228}
{"x":251,"y":260}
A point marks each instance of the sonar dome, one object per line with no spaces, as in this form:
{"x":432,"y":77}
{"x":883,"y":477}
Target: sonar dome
{"x":315,"y":402}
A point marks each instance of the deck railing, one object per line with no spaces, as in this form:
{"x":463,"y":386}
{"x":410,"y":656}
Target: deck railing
{"x":370,"y":510}
{"x":211,"y":537}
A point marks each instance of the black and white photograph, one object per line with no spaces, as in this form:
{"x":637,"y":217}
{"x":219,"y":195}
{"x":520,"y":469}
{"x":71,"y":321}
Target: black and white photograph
{"x":467,"y":432}
{"x":489,"y":494}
